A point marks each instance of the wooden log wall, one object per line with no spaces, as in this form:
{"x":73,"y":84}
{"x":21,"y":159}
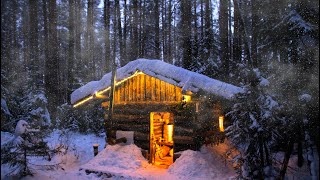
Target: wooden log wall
{"x":146,"y":89}
{"x":142,"y":94}
{"x":136,"y":117}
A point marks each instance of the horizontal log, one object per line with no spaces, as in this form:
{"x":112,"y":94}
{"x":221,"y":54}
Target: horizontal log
{"x":139,"y":136}
{"x":183,"y":147}
{"x":137,"y":127}
{"x":183,"y":140}
{"x":143,"y":108}
{"x":180,"y":131}
{"x":132,"y":116}
{"x":129,"y":123}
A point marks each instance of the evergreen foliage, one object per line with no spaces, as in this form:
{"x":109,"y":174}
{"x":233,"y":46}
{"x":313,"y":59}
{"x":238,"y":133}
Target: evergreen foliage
{"x":83,"y":120}
{"x":26,"y":143}
{"x":254,"y":118}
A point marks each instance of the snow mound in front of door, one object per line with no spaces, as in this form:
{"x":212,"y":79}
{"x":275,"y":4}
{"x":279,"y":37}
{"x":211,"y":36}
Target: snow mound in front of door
{"x":124,"y":157}
{"x":200,"y":165}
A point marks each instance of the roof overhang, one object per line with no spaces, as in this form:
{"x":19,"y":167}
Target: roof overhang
{"x":100,"y":94}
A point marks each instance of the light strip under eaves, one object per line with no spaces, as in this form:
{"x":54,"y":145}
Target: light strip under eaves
{"x":106,"y":89}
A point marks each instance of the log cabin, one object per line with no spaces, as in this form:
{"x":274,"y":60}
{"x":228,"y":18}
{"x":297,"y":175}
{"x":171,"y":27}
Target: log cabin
{"x":167,"y":107}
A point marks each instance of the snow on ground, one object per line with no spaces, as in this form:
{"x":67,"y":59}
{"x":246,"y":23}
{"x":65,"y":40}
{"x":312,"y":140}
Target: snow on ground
{"x":126,"y":162}
{"x":122,"y":161}
{"x":201,"y":164}
{"x":79,"y":152}
{"x":117,"y":160}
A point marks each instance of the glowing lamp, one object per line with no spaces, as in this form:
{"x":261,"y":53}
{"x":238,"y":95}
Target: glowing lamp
{"x":169,"y":132}
{"x":186,"y":98}
{"x":221,"y":128}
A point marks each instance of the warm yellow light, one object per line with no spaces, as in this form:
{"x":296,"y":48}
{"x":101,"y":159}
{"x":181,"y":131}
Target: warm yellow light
{"x":186,"y":98}
{"x":170,"y":132}
{"x":100,"y":96}
{"x":99,"y":93}
{"x":221,"y":124}
{"x":83,"y":101}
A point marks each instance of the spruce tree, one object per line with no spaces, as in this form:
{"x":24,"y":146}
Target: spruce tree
{"x":27,"y":142}
{"x":254,"y":118}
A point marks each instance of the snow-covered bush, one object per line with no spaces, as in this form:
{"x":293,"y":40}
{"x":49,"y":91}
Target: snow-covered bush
{"x":27,"y":105}
{"x":26,"y":143}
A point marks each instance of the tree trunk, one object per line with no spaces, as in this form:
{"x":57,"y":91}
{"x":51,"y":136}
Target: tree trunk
{"x":164,"y":29}
{"x":106,"y":16}
{"x":71,"y":50}
{"x":114,"y":37}
{"x":223,"y":31}
{"x":261,"y":153}
{"x":254,"y":41}
{"x":236,"y":34}
{"x":15,"y":47}
{"x":124,"y":42}
{"x":300,"y":148}
{"x":230,"y":54}
{"x":142,"y":31}
{"x":45,"y":26}
{"x":157,"y":30}
{"x":120,"y":40}
{"x":243,"y":31}
{"x":52,"y":63}
{"x":135,"y":44}
{"x":26,"y":49}
{"x":186,"y":33}
{"x":169,"y":33}
{"x":201,"y":18}
{"x":36,"y":78}
{"x":78,"y":35}
{"x":266,"y":150}
{"x":90,"y":41}
{"x":195,"y":31}
{"x":208,"y":30}
{"x":286,"y":160}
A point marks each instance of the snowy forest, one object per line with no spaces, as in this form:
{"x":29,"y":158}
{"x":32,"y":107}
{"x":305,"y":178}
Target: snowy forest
{"x":269,"y":48}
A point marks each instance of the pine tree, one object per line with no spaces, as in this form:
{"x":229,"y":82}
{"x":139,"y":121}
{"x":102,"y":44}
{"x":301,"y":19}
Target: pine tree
{"x":26,"y":143}
{"x":254,"y":118}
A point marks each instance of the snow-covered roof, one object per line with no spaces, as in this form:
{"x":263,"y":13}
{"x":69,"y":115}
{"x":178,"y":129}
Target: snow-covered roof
{"x":187,"y":80}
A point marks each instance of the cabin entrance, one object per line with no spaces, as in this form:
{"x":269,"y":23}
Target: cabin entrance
{"x":161,"y":139}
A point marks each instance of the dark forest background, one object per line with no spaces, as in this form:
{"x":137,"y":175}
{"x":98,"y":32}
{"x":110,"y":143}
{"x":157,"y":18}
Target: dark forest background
{"x":50,"y":48}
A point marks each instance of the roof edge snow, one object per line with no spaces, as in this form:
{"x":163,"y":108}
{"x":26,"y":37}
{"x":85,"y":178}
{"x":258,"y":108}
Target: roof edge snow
{"x":187,"y":80}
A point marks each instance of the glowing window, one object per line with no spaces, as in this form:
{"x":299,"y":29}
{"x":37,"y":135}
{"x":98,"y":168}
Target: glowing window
{"x":186,"y":98}
{"x":221,"y":128}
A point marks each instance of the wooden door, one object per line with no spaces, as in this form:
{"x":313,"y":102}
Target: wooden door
{"x":161,"y":148}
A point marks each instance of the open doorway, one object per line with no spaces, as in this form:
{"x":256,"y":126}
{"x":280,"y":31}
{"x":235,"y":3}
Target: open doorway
{"x":161,"y":139}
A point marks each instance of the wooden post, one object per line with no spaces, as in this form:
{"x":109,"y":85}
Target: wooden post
{"x":110,"y":133}
{"x":95,"y":149}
